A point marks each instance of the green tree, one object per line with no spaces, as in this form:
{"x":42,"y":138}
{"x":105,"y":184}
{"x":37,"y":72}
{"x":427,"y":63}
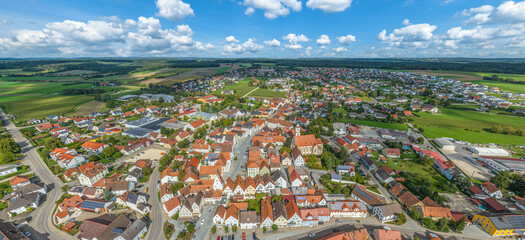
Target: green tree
{"x":110,"y":152}
{"x":275,"y":227}
{"x":265,"y":229}
{"x":226,"y":229}
{"x":428,"y":223}
{"x":401,"y":218}
{"x":8,"y":145}
{"x":414,"y":213}
{"x":214,"y":229}
{"x":93,"y":158}
{"x":501,"y":180}
{"x":53,"y":143}
{"x":7,"y":158}
{"x":234,"y":228}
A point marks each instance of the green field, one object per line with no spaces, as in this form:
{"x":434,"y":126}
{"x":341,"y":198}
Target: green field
{"x":396,"y":126}
{"x":454,"y":123}
{"x":43,"y":88}
{"x":222,"y":70}
{"x":265,"y":93}
{"x":40,"y":107}
{"x":241,"y":88}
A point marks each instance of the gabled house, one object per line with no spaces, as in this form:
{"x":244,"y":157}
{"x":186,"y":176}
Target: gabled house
{"x":293,"y":214}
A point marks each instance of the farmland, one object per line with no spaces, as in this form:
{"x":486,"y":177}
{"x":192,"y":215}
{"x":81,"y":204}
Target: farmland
{"x":469,"y":126}
{"x":87,"y":108}
{"x":396,"y":126}
{"x":43,"y":106}
{"x":265,"y":93}
{"x":241,"y":88}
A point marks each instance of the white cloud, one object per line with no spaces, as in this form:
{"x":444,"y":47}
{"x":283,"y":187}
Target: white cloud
{"x":507,"y":12}
{"x":518,"y":42}
{"x":308,"y":51}
{"x":406,"y":22}
{"x":231,"y":39}
{"x":340,"y":49}
{"x":174,"y":10}
{"x":245,"y":48}
{"x":329,"y":5}
{"x":412,"y":35}
{"x":346,"y":40}
{"x":294,"y":41}
{"x":110,"y":37}
{"x":447,"y":2}
{"x":272,"y":8}
{"x":272,"y":43}
{"x":323,"y":40}
{"x":3,"y":21}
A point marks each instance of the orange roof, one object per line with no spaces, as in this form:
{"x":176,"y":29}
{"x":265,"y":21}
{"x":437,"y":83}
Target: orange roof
{"x":240,"y":205}
{"x":172,"y":203}
{"x":232,"y":211}
{"x":91,"y":169}
{"x":221,"y":211}
{"x":93,"y":145}
{"x":70,"y":203}
{"x":291,"y":209}
{"x":306,"y":140}
{"x":435,"y":212}
{"x":197,"y":123}
{"x":266,"y":209}
{"x":62,"y":214}
{"x":209,"y":170}
{"x":18,"y":179}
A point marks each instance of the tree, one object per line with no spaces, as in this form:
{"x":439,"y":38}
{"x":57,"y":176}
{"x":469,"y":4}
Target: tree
{"x":234,"y":228}
{"x":501,"y":180}
{"x":265,"y":229}
{"x":53,"y":143}
{"x":428,"y":223}
{"x":93,"y":158}
{"x":110,"y":152}
{"x":226,"y":229}
{"x":7,"y":157}
{"x":401,"y":218}
{"x":414,"y":213}
{"x":8,"y":145}
{"x":275,"y":227}
{"x":442,"y":225}
{"x":190,"y":227}
{"x":214,"y":229}
{"x":176,"y":187}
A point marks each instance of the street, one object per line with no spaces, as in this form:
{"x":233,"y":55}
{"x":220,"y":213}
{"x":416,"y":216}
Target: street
{"x":42,"y":227}
{"x":157,"y":214}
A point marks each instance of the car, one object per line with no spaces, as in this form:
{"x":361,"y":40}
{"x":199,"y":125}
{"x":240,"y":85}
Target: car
{"x":202,"y":222}
{"x":233,"y":237}
{"x":432,"y":235}
{"x":335,"y":230}
{"x":338,"y":221}
{"x":243,"y":236}
{"x":219,"y":238}
{"x":311,"y":235}
{"x":253,"y":235}
{"x":28,"y":234}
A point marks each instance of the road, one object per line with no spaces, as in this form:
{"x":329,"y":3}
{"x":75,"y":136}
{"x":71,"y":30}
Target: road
{"x":41,"y":223}
{"x":156,"y":215}
{"x":245,"y":95}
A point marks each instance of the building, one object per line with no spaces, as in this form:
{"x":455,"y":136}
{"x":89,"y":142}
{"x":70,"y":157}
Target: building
{"x":9,"y":231}
{"x":91,"y":172}
{"x":392,"y":152}
{"x":486,"y":151}
{"x":94,"y":147}
{"x":348,"y":209}
{"x":387,"y":212}
{"x":501,"y":224}
{"x":19,"y":181}
{"x":248,"y":219}
{"x":384,"y":234}
{"x":308,"y":144}
{"x":434,"y":213}
{"x":491,"y":190}
{"x":8,"y":169}
{"x":444,"y":144}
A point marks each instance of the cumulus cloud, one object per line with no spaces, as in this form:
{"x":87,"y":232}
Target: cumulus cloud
{"x":174,"y":10}
{"x":294,"y":41}
{"x":507,"y":12}
{"x":3,"y":21}
{"x":329,"y":5}
{"x":340,"y":49}
{"x":412,"y":35}
{"x":323,"y":40}
{"x":245,"y":48}
{"x":272,"y":8}
{"x":308,"y":51}
{"x":272,"y":43}
{"x":518,"y":42}
{"x":346,"y":40}
{"x":109,"y":37}
{"x":231,"y":39}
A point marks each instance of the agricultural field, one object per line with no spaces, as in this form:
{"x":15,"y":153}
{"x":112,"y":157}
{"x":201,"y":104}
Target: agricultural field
{"x":241,"y":88}
{"x":477,"y":77}
{"x":265,"y":93}
{"x":87,"y":108}
{"x":469,"y":126}
{"x":395,"y":126}
{"x":43,"y":106}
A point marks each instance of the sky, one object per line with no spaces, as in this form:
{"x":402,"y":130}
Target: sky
{"x":262,"y":28}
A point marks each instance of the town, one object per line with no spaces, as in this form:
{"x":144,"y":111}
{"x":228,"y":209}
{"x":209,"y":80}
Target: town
{"x":265,"y":153}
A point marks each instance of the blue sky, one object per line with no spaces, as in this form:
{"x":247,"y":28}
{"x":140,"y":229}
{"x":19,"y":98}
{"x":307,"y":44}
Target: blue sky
{"x":262,"y":28}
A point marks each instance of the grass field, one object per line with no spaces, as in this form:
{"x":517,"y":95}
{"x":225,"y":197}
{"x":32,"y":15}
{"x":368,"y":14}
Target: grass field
{"x":40,"y":78}
{"x":396,"y":126}
{"x":40,"y":107}
{"x":87,"y":108}
{"x":454,"y":123}
{"x":241,"y":88}
{"x":265,"y":93}
{"x":222,"y":70}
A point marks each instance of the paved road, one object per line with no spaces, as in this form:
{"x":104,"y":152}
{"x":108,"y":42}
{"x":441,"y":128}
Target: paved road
{"x":43,"y":228}
{"x":155,"y":231}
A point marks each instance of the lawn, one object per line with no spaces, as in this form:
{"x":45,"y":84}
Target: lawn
{"x":396,"y":126}
{"x":241,"y":88}
{"x":454,"y":123}
{"x":87,"y":108}
{"x":40,"y":107}
{"x":265,"y":93}
{"x":222,"y":70}
{"x":34,"y":88}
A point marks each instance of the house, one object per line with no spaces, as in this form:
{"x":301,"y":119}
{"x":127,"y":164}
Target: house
{"x":24,"y":203}
{"x":231,"y":218}
{"x":6,"y":170}
{"x":279,"y":180}
{"x":94,"y":147}
{"x":408,"y":200}
{"x":9,"y":231}
{"x":248,"y":219}
{"x":387,"y":212}
{"x":293,"y":214}
{"x":91,"y":172}
{"x":500,"y":225}
{"x":107,"y":226}
{"x":119,"y":187}
{"x":295,"y":179}
{"x":308,"y":144}
{"x":368,"y":197}
{"x":298,"y":159}
{"x":392,"y":152}
{"x":172,"y":206}
{"x":386,"y":234}
{"x":429,"y":108}
{"x":383,"y":176}
{"x":491,"y":190}
{"x":312,"y":216}
{"x":266,"y":213}
{"x":193,"y":126}
{"x":19,"y":181}
{"x":360,"y":234}
{"x":67,"y":158}
{"x":434,"y":213}
{"x":348,"y":209}
{"x":218,"y":217}
{"x":169,"y":175}
{"x":279,"y":214}
{"x":344,"y":169}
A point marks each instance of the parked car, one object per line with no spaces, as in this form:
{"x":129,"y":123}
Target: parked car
{"x":335,"y":230}
{"x":311,"y":235}
{"x":243,"y":236}
{"x":338,"y":221}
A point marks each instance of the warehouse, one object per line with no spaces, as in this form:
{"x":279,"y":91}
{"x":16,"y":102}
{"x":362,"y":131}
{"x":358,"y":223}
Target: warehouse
{"x":444,"y":144}
{"x":485,"y":151}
